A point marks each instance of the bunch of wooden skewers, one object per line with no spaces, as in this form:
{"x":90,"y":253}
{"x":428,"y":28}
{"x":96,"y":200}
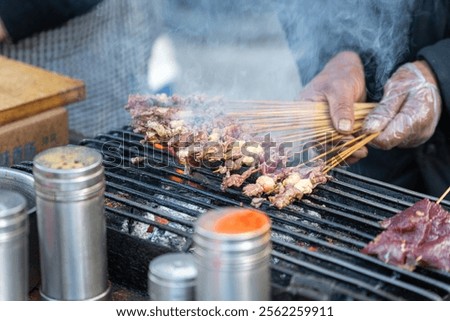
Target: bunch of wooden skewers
{"x":304,"y":122}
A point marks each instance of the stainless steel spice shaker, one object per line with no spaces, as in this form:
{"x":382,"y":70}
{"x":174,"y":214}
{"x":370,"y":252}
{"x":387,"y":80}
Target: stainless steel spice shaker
{"x":23,"y":183}
{"x":171,"y":277}
{"x":70,"y":185}
{"x":13,"y":247}
{"x":232,"y":255}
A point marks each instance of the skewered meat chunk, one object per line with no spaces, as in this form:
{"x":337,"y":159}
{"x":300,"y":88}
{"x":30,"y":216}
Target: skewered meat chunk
{"x":264,"y":184}
{"x":267,"y":183}
{"x":305,"y":186}
{"x":295,"y":182}
{"x":419,"y":235}
{"x":237,"y":179}
{"x":253,"y":190}
{"x":285,"y":196}
{"x":292,"y":179}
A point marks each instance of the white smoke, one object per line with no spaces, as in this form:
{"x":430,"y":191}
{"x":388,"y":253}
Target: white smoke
{"x":377,"y":29}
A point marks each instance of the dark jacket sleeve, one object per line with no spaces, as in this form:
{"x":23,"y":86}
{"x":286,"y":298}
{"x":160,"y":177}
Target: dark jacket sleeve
{"x":436,"y":56}
{"x":25,"y":17}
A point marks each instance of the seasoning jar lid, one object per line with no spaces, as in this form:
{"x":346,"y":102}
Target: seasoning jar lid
{"x":12,"y":213}
{"x":60,"y":171}
{"x":173,"y":266}
{"x":233,"y":223}
{"x":232,"y":236}
{"x":172,"y":277}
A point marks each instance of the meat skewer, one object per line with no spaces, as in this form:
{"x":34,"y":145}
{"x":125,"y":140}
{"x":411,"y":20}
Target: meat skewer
{"x":198,"y":132}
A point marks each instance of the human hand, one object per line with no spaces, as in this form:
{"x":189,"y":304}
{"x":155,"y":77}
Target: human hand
{"x":341,"y":83}
{"x":410,"y":109}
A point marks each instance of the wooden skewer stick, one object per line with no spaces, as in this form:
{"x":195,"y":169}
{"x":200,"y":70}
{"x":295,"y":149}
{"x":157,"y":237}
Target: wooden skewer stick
{"x":283,"y":112}
{"x":291,"y":107}
{"x":310,"y":134}
{"x":349,"y":151}
{"x":279,"y":118}
{"x":294,"y":129}
{"x":270,"y":103}
{"x":336,"y":148}
{"x":298,"y":127}
{"x":336,"y":160}
{"x":443,"y":195}
{"x":322,"y":140}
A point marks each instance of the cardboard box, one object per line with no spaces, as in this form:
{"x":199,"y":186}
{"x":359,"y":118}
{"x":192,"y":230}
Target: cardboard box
{"x":21,"y":140}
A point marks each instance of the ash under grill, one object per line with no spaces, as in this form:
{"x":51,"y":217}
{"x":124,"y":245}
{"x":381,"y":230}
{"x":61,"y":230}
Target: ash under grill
{"x":151,"y":208}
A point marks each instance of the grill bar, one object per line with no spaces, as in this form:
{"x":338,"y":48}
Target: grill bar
{"x":362,"y":286}
{"x":374,"y":194}
{"x":359,"y":199}
{"x":146,"y":208}
{"x":307,"y":286}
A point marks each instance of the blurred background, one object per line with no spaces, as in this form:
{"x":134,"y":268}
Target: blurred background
{"x":236,"y":49}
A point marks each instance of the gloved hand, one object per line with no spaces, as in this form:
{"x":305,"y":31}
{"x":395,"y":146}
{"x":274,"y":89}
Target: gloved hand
{"x":341,"y":83}
{"x":410,"y":109}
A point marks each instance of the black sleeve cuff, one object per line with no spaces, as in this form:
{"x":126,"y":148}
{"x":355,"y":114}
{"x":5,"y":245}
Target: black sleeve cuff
{"x":436,"y":56}
{"x":23,"y":18}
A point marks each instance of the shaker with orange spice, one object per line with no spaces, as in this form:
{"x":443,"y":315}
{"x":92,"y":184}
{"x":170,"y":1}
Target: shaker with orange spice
{"x":232,"y":255}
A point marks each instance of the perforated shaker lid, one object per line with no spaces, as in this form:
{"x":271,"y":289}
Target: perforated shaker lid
{"x":173,"y":266}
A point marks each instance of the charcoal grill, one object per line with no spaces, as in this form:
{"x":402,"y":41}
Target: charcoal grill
{"x":151,"y":208}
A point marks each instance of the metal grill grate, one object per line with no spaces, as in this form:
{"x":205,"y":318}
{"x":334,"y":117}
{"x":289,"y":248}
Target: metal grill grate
{"x":151,"y":209}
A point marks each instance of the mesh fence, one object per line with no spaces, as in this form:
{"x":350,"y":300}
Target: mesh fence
{"x":108,"y":48}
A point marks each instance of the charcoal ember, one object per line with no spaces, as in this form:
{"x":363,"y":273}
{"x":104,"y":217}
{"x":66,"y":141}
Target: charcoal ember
{"x":419,"y":235}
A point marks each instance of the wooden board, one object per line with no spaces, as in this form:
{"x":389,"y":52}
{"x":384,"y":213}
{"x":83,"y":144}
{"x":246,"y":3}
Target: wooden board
{"x":27,"y":90}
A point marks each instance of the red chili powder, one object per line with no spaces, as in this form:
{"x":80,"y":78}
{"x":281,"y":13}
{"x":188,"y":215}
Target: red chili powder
{"x":241,"y":221}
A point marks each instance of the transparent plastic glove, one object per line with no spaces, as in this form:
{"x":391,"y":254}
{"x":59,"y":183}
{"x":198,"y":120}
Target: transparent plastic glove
{"x":341,"y":83}
{"x":410,"y":109}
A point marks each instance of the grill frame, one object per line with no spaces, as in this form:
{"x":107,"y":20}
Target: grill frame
{"x":316,"y":241}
